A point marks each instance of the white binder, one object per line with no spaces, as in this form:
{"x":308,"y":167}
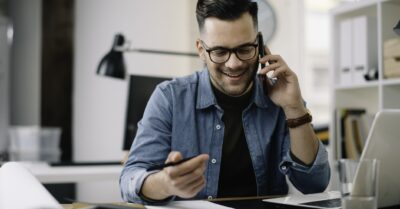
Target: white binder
{"x":345,"y":39}
{"x":364,"y":47}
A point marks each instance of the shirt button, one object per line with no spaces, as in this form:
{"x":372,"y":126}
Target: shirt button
{"x":218,"y":127}
{"x":210,"y":197}
{"x":213,"y":161}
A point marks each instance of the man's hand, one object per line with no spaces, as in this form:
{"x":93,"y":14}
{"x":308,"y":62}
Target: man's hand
{"x":184,"y":180}
{"x":286,"y":91}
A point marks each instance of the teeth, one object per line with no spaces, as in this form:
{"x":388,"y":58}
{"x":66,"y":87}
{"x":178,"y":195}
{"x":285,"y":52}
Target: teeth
{"x":232,"y":75}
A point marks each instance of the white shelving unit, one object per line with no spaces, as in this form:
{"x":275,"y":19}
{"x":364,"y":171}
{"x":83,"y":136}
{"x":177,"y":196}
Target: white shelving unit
{"x":374,"y":95}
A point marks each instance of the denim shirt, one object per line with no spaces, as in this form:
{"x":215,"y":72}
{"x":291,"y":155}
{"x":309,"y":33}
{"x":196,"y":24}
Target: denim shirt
{"x":183,"y":115}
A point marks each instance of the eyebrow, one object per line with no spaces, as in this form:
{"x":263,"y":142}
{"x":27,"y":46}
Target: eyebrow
{"x":222,"y":47}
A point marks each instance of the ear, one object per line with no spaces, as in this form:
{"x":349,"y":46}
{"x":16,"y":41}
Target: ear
{"x":200,"y":50}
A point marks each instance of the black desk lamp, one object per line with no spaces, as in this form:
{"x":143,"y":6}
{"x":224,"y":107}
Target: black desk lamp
{"x":397,"y":28}
{"x":113,"y":64}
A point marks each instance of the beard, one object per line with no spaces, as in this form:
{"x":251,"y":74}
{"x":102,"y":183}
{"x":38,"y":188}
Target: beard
{"x":224,"y":79}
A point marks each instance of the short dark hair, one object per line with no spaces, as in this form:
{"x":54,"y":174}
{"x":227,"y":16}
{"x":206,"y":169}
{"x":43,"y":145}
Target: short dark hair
{"x":225,"y":10}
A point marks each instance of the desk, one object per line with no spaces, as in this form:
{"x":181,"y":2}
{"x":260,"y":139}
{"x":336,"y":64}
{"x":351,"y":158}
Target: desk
{"x":73,"y":174}
{"x":259,"y":204}
{"x":237,"y":203}
{"x":85,"y":179}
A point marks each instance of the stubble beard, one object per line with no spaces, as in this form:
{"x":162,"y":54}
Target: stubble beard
{"x":249,"y":83}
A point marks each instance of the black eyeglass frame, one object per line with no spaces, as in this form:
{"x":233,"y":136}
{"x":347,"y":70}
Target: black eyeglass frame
{"x":234,"y":50}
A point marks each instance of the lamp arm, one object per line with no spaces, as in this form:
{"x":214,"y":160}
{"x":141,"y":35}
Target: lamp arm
{"x":151,"y":51}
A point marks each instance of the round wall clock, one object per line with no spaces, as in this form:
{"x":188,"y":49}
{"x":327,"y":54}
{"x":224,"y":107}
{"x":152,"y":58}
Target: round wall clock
{"x":266,"y":19}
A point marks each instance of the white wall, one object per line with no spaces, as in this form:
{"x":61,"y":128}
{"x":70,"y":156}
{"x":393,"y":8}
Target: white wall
{"x":25,"y":62}
{"x":288,"y":40}
{"x":99,"y":102}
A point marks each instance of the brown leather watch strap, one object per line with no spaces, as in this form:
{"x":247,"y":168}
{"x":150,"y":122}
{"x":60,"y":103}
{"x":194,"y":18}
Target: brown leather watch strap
{"x":295,"y":122}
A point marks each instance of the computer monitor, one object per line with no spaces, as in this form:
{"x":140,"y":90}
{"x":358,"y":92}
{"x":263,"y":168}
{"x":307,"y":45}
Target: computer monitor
{"x":139,"y":92}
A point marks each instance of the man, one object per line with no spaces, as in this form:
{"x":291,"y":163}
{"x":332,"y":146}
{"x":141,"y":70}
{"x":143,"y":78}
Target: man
{"x":246,"y":134}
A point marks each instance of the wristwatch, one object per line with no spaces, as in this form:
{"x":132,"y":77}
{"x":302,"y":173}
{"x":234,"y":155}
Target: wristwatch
{"x":295,"y":122}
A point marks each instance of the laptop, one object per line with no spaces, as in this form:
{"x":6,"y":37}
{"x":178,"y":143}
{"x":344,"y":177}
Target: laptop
{"x":383,"y":143}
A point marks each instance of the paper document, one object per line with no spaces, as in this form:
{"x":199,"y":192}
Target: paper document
{"x":189,"y":204}
{"x":19,"y":189}
{"x":301,"y":198}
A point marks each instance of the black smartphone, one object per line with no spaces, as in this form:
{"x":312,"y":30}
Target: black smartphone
{"x":261,"y":49}
{"x":262,"y":53}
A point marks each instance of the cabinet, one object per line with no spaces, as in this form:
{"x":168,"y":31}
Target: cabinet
{"x":359,"y":32}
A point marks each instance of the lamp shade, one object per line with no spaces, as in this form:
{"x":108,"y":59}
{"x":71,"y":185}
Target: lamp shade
{"x":397,"y":28}
{"x":113,"y":64}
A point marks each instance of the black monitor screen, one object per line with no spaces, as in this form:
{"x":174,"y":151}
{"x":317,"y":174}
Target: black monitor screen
{"x":140,"y":90}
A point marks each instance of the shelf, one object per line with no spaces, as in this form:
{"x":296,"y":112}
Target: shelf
{"x":391,"y":82}
{"x":391,"y":1}
{"x":370,"y":84}
{"x":373,"y":96}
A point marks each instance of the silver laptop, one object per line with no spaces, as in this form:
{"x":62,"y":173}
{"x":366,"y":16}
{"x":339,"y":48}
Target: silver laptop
{"x":383,"y":143}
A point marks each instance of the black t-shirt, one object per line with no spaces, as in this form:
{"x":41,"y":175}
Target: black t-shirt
{"x":236,"y":178}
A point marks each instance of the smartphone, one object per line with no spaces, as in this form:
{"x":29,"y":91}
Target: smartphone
{"x":262,"y":53}
{"x":261,"y":49}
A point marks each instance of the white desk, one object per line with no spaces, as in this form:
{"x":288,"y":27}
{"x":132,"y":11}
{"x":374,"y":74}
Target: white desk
{"x":73,"y":174}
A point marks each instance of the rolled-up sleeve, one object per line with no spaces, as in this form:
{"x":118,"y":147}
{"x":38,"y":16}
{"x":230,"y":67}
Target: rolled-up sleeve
{"x":308,"y":179}
{"x":131,"y":184}
{"x":153,"y":136}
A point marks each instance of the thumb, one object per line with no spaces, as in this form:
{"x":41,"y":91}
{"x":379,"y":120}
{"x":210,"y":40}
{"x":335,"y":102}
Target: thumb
{"x":174,"y":156}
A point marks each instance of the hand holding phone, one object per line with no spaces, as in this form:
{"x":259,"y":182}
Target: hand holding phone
{"x":284,"y":90}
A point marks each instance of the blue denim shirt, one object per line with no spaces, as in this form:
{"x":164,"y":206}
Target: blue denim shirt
{"x":183,"y":115}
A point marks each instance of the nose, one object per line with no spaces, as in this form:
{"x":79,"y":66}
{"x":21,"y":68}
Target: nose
{"x":233,"y":62}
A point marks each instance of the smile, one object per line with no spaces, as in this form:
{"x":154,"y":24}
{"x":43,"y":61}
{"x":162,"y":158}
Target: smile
{"x":234,"y":75}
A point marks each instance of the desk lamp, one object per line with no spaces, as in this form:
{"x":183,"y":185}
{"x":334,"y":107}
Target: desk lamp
{"x":397,"y":28}
{"x":113,"y":64}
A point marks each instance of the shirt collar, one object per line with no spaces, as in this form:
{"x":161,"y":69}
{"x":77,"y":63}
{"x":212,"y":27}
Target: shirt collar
{"x":259,"y":97}
{"x":206,"y":97}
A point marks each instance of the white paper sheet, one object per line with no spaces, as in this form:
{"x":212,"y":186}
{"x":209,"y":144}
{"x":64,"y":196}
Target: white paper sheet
{"x":301,"y":198}
{"x":189,"y":204}
{"x":19,"y":189}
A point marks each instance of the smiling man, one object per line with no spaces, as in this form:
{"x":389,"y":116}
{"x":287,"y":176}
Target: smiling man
{"x":245,"y":134}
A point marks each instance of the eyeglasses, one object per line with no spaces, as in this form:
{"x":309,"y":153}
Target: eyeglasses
{"x":220,"y":55}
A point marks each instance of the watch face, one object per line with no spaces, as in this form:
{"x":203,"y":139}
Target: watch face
{"x":266,"y":19}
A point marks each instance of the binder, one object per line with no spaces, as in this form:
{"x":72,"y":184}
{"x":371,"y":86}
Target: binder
{"x":345,"y":40}
{"x":344,"y":132}
{"x":351,"y":139}
{"x":364,"y":47}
